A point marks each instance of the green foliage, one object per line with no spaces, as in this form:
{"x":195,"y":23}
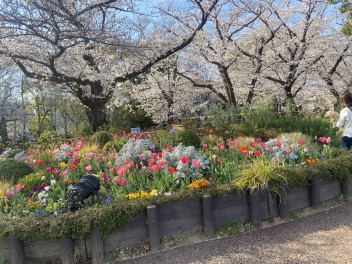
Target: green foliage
{"x":161,"y":133}
{"x":261,"y":121}
{"x":163,"y":137}
{"x":338,"y":168}
{"x":49,"y":137}
{"x":260,"y":115}
{"x":188,"y":138}
{"x":263,"y":133}
{"x":101,"y":138}
{"x":345,"y":6}
{"x":117,"y":144}
{"x":37,"y":129}
{"x":222,"y":118}
{"x":261,"y":174}
{"x":310,"y":125}
{"x":212,"y":140}
{"x":123,"y":118}
{"x":230,"y":228}
{"x":31,"y":180}
{"x":13,"y":170}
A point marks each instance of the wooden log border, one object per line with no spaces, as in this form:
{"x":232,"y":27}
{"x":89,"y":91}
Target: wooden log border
{"x":206,"y":213}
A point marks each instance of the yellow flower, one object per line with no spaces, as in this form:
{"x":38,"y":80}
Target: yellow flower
{"x":144,"y":195}
{"x":62,"y":164}
{"x":153,"y":193}
{"x":132,"y":196}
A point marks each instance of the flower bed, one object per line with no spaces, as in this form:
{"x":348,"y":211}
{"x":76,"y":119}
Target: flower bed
{"x":148,"y":171}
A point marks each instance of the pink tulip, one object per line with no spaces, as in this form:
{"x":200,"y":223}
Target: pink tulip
{"x":196,"y":163}
{"x":121,"y":181}
{"x":322,"y":139}
{"x":8,"y":192}
{"x":300,"y":141}
{"x":19,"y":187}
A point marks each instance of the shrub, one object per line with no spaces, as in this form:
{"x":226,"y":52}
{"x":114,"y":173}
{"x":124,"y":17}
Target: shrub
{"x":188,"y":138}
{"x":12,"y":170}
{"x":101,"y":138}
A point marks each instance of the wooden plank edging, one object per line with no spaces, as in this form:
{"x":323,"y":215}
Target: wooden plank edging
{"x":208,"y":210}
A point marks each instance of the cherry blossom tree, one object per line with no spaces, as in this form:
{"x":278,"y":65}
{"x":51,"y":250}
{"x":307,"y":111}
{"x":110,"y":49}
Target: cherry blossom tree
{"x":298,"y":45}
{"x":92,"y":46}
{"x":215,"y":47}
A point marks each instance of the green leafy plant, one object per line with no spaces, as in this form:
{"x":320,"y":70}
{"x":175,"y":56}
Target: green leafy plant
{"x":13,"y":170}
{"x":101,"y":138}
{"x":117,"y":144}
{"x":187,"y":138}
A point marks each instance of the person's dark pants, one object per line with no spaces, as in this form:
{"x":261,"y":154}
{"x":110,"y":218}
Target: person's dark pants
{"x":346,"y":142}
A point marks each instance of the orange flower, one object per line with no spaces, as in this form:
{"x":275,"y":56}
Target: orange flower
{"x":171,"y":169}
{"x":198,"y":184}
{"x":243,"y":148}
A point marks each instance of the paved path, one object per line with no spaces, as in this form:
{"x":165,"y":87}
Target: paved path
{"x":325,"y":237}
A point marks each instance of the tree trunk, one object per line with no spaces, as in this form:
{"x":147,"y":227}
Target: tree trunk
{"x":95,"y":104}
{"x":3,"y":131}
{"x":227,"y":85}
{"x":96,"y":115}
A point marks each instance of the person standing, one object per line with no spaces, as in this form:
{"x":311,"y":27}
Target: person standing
{"x":345,"y":120}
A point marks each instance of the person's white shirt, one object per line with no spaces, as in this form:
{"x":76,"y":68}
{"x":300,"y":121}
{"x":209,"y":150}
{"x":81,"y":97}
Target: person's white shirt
{"x":345,"y":122}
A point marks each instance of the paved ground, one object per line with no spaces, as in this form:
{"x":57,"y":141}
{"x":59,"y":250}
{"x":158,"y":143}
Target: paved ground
{"x":325,"y":237}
